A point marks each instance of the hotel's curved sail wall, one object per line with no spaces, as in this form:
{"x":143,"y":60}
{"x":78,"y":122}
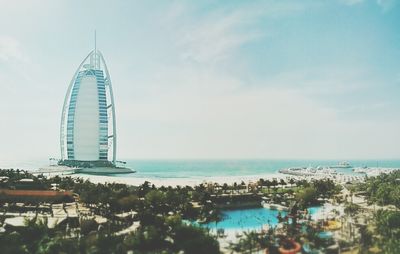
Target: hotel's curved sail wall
{"x":88,"y":117}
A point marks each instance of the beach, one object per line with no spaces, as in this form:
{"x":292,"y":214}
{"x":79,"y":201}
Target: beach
{"x":218,"y":180}
{"x":194,"y":172}
{"x":179,"y":181}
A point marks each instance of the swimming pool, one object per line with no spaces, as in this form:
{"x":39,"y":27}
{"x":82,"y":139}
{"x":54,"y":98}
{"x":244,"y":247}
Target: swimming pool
{"x":250,"y":219}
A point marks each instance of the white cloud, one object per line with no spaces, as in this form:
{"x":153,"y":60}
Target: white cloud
{"x":322,"y":81}
{"x":212,"y":116}
{"x":10,"y":50}
{"x":198,"y":110}
{"x":211,"y":37}
{"x":214,"y":40}
{"x":264,"y":123}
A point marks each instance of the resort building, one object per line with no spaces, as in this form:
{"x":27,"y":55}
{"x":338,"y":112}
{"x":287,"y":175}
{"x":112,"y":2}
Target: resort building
{"x":33,"y":196}
{"x":88,"y":128}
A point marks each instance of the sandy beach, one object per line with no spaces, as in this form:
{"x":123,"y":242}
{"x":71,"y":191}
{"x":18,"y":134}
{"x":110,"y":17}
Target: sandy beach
{"x":192,"y":181}
{"x":132,"y":180}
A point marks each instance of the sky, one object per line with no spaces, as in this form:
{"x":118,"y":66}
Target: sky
{"x":210,"y":79}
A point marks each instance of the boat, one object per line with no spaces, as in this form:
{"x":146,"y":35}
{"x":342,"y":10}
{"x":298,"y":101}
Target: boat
{"x":310,"y":171}
{"x":343,"y":164}
{"x":361,"y":170}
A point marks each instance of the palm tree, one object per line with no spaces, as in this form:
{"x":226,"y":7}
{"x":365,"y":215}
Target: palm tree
{"x":365,"y":239}
{"x":275,"y":184}
{"x":282,"y":182}
{"x":248,"y":243}
{"x":291,"y":181}
{"x":260,"y":182}
{"x":268,"y":184}
{"x":224,"y":187}
{"x":350,"y":210}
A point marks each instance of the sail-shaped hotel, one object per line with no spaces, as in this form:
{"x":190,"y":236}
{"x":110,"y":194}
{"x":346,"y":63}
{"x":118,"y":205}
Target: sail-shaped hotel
{"x":88,"y":135}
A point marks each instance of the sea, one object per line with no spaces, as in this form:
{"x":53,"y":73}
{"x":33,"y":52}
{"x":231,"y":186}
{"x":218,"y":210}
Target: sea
{"x":192,"y":169}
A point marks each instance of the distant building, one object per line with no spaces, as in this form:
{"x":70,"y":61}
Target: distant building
{"x":88,"y":126}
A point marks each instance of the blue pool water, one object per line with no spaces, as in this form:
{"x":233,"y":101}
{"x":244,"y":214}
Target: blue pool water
{"x":325,"y":235}
{"x":250,"y":219}
{"x":313,"y":210}
{"x":247,"y":219}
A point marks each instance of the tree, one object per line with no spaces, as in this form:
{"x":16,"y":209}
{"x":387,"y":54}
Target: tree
{"x":260,"y":182}
{"x":351,"y":209}
{"x":87,"y":226}
{"x":307,"y":196}
{"x":388,"y":227}
{"x":13,"y":243}
{"x":33,"y":232}
{"x":58,"y":245}
{"x":292,"y":181}
{"x":325,"y":187}
{"x":365,"y":239}
{"x":268,"y":184}
{"x":155,"y":200}
{"x":128,"y":202}
{"x":144,"y":189}
{"x":148,"y":239}
{"x":274,"y":183}
{"x":194,"y":240}
{"x":252,"y":242}
{"x":225,"y":187}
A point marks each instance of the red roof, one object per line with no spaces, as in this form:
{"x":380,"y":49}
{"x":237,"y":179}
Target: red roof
{"x":35,"y":193}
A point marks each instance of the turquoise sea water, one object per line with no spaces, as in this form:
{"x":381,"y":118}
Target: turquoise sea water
{"x":160,"y":169}
{"x":220,"y":168}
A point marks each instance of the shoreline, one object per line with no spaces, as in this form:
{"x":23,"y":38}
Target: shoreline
{"x":173,"y":181}
{"x":170,"y":174}
{"x":135,"y":180}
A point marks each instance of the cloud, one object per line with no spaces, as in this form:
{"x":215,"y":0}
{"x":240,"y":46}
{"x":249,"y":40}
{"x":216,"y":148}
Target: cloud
{"x":263,"y":123}
{"x":216,"y":35}
{"x":215,"y":38}
{"x":10,"y":50}
{"x":321,"y":81}
{"x":199,"y":110}
{"x":214,"y":115}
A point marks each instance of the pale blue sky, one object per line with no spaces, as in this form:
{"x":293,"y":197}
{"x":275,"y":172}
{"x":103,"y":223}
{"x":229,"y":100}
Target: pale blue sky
{"x":210,"y":79}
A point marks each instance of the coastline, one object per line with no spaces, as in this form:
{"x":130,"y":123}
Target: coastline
{"x":194,"y":172}
{"x":175,"y":181}
{"x":136,"y":180}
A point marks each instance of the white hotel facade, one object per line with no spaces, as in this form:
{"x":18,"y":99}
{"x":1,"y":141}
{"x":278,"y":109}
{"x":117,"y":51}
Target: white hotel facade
{"x":88,"y":123}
